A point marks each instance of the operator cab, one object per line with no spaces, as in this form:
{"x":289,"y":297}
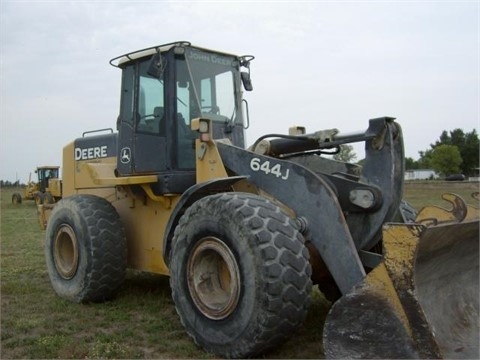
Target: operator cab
{"x":45,"y":173}
{"x":163,"y":89}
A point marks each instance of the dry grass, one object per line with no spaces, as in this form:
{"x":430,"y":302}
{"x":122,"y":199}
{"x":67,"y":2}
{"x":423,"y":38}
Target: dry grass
{"x":419,"y":194}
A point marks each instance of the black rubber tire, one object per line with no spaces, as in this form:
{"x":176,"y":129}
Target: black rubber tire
{"x":85,"y":249}
{"x":38,"y":197}
{"x":48,"y":198}
{"x":16,"y":198}
{"x":273,"y":268}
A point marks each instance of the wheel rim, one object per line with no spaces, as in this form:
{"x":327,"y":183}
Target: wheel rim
{"x":213,"y":278}
{"x":66,"y":252}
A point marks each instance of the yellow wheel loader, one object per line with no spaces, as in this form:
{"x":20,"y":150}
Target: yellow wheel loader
{"x":244,"y":233}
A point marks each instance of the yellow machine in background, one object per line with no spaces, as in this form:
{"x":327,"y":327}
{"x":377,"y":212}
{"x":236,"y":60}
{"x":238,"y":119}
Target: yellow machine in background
{"x":244,"y":233}
{"x":47,"y":189}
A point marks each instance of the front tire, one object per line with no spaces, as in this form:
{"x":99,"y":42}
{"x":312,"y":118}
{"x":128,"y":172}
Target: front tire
{"x":85,"y":249}
{"x":38,"y":197}
{"x":240,"y":274}
{"x":48,"y":198}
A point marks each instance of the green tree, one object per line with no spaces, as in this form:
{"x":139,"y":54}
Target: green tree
{"x":346,"y":154}
{"x":470,"y":153}
{"x":468,"y":145}
{"x":411,"y":164}
{"x":425,"y":161}
{"x":446,"y":159}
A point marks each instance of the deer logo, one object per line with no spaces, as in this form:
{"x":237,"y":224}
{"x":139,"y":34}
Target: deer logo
{"x":125,"y":155}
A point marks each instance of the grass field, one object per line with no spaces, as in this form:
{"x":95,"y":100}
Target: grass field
{"x":422,"y":193}
{"x":140,"y":322}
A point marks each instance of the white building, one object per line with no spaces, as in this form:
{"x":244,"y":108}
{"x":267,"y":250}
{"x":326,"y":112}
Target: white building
{"x":421,"y":174}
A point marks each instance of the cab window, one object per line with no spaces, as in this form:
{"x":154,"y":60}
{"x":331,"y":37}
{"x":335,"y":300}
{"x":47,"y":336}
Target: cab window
{"x":151,"y":108}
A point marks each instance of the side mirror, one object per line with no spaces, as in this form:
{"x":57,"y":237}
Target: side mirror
{"x":246,"y":80}
{"x":156,"y":67}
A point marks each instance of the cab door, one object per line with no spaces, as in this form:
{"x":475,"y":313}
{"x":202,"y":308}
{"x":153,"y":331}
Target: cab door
{"x":142,"y":137}
{"x":150,"y":127}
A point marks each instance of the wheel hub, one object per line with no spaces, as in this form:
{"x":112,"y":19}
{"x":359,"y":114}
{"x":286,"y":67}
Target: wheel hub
{"x":66,"y":252}
{"x":213,"y":278}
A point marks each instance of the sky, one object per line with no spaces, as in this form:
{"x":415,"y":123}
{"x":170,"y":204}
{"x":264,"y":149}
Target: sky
{"x":319,"y":64}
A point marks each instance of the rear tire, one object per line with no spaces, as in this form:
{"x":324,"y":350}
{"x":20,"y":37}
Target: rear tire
{"x":240,"y":274}
{"x":85,"y":249}
{"x":16,"y":198}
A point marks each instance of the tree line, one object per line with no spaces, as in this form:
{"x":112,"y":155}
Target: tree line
{"x":6,"y":183}
{"x":455,"y":152}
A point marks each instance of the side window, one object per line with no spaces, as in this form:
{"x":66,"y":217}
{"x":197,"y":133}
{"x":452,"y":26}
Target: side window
{"x":224,"y":91}
{"x":206,"y":91}
{"x":150,"y":109}
{"x":183,"y":101}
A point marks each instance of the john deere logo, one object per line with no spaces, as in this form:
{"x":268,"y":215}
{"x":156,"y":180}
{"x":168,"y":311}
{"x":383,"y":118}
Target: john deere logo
{"x":125,"y":155}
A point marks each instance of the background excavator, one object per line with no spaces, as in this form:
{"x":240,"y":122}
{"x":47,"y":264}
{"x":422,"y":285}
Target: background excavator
{"x":244,"y":233}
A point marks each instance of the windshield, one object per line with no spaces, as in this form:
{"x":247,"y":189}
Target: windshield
{"x":206,"y":86}
{"x":47,"y":174}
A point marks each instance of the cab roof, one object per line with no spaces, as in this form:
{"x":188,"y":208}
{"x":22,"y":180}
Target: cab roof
{"x":125,"y":58}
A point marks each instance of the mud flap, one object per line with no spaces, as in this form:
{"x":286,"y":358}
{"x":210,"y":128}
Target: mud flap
{"x":420,"y":302}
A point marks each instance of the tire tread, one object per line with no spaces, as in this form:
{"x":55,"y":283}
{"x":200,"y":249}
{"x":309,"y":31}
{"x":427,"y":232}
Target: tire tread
{"x":285,"y":269}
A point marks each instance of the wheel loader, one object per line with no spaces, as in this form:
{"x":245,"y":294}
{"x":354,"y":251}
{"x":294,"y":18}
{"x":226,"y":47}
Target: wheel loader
{"x":46,"y":190}
{"x":244,"y":233}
